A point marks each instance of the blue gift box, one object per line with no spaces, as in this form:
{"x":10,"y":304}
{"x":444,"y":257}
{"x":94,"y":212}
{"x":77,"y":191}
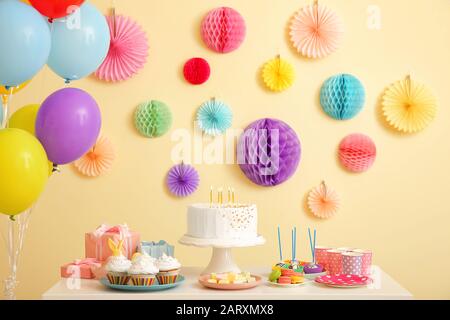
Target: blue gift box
{"x":156,"y":249}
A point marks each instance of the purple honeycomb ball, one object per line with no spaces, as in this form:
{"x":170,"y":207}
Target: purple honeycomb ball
{"x":269,"y":152}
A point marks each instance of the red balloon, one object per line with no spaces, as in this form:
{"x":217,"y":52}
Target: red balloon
{"x":55,"y":9}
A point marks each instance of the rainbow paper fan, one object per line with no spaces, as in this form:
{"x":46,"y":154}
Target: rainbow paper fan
{"x":128,"y":50}
{"x":278,"y":74}
{"x":182,"y":180}
{"x":98,"y":160}
{"x":316,"y":31}
{"x":409,"y":106}
{"x":214,"y":117}
{"x":357,"y":152}
{"x":223,"y":30}
{"x":323,"y":201}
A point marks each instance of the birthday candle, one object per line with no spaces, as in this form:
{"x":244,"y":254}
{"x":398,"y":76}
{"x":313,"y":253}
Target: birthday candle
{"x":210,"y":196}
{"x":229,"y":194}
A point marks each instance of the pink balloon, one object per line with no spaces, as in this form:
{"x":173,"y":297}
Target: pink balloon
{"x":68,"y":124}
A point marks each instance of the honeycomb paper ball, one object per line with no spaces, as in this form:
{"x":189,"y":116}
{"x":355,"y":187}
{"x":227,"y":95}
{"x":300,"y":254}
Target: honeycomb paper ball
{"x":269,"y":152}
{"x":342,"y":96}
{"x":357,"y":152}
{"x":153,"y":119}
{"x":196,"y":71}
{"x":223,"y":30}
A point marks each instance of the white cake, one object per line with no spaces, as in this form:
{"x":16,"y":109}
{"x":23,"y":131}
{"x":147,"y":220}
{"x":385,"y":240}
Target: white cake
{"x":226,"y":222}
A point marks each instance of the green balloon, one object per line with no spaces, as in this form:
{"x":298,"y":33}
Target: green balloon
{"x":153,"y":118}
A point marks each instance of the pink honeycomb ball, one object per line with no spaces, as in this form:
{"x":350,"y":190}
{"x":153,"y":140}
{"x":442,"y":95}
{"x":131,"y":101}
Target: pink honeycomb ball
{"x":357,"y":152}
{"x":223,"y":30}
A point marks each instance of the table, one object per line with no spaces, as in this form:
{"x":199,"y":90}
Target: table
{"x":384,"y":287}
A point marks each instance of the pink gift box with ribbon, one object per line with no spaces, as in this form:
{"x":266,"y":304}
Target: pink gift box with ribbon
{"x":80,"y":269}
{"x":96,"y":242}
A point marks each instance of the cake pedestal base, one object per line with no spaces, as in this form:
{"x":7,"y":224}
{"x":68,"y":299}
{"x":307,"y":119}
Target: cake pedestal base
{"x":221,"y":259}
{"x":221,"y":262}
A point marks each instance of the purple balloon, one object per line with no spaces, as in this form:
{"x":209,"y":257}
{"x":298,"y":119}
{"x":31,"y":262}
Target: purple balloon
{"x":269,"y":152}
{"x":68,"y":124}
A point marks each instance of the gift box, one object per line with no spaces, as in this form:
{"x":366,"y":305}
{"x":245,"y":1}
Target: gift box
{"x":96,"y":242}
{"x":157,"y":249}
{"x":80,"y":269}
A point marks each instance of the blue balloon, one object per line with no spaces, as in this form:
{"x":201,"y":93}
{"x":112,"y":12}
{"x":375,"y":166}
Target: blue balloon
{"x":25,"y":42}
{"x":80,"y":43}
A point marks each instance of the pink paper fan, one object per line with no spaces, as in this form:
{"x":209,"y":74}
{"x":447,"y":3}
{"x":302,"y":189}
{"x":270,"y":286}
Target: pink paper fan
{"x":323,"y":201}
{"x":98,"y":160}
{"x":128,"y":50}
{"x":316,"y":31}
{"x":223,"y":29}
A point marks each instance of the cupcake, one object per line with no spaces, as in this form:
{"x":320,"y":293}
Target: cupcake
{"x":117,"y":265}
{"x":313,"y":268}
{"x":143,"y":270}
{"x":169,"y":268}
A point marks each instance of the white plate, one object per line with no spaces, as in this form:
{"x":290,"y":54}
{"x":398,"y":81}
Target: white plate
{"x":313,"y":276}
{"x":281,"y":285}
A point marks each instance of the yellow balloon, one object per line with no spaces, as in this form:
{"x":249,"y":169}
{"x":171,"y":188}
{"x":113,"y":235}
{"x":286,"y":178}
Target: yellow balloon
{"x":25,"y":119}
{"x":23,"y":170}
{"x":26,"y":1}
{"x":7,"y":91}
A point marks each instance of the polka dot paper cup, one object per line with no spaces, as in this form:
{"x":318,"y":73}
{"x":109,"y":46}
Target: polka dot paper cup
{"x":366,"y":261}
{"x":352,"y":263}
{"x":334,"y":261}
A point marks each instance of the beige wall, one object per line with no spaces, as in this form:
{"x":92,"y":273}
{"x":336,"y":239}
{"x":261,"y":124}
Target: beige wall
{"x":399,"y":209}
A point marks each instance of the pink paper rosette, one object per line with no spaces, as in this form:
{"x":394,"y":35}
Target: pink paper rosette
{"x":316,"y":31}
{"x":128,"y":50}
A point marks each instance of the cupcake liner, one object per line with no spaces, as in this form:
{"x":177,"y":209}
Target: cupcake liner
{"x":167,"y":277}
{"x":118,"y":278}
{"x":146,"y":280}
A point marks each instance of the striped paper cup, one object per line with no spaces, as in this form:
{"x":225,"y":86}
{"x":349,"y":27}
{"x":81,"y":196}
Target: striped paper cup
{"x":167,"y":277}
{"x":366,"y":261}
{"x":334,"y":261}
{"x":352,"y":263}
{"x":118,"y":278}
{"x":321,"y":256}
{"x":143,"y":280}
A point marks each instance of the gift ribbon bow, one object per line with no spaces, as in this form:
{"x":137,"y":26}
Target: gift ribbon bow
{"x":121,"y":229}
{"x":87,"y":261}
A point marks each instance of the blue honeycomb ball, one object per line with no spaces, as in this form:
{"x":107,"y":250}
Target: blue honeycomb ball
{"x":342,"y":96}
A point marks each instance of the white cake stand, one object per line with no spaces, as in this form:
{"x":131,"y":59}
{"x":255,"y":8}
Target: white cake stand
{"x":221,"y":259}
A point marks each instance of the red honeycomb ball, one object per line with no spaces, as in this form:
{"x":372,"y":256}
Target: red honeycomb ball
{"x":357,"y":152}
{"x":196,"y":71}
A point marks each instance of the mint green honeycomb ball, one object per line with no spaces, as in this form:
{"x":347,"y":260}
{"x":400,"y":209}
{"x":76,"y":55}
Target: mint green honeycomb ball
{"x":153,"y":118}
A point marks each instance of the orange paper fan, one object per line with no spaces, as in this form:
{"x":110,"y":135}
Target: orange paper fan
{"x":98,"y":160}
{"x":323,"y":201}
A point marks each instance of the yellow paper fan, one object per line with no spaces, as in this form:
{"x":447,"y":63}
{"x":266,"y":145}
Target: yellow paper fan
{"x":98,"y":160}
{"x":323,"y":201}
{"x":409,"y":106}
{"x":278,"y":74}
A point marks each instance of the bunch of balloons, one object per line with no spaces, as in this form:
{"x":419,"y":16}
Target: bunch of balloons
{"x":73,"y":38}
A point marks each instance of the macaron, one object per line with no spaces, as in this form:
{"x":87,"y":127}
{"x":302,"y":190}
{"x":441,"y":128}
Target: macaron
{"x":287,"y":272}
{"x":284,"y":280}
{"x":296,"y":279}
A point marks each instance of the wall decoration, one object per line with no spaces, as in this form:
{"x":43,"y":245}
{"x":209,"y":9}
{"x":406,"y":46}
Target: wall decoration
{"x":409,"y":106}
{"x":196,"y":71}
{"x":153,"y":118}
{"x":223,"y":30}
{"x":98,"y":160}
{"x":182,"y":180}
{"x":357,"y":152}
{"x":128,"y":50}
{"x":278,"y":74}
{"x":269,"y":152}
{"x":214,"y":117}
{"x":323,"y":201}
{"x":316,"y":31}
{"x":342,"y":96}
